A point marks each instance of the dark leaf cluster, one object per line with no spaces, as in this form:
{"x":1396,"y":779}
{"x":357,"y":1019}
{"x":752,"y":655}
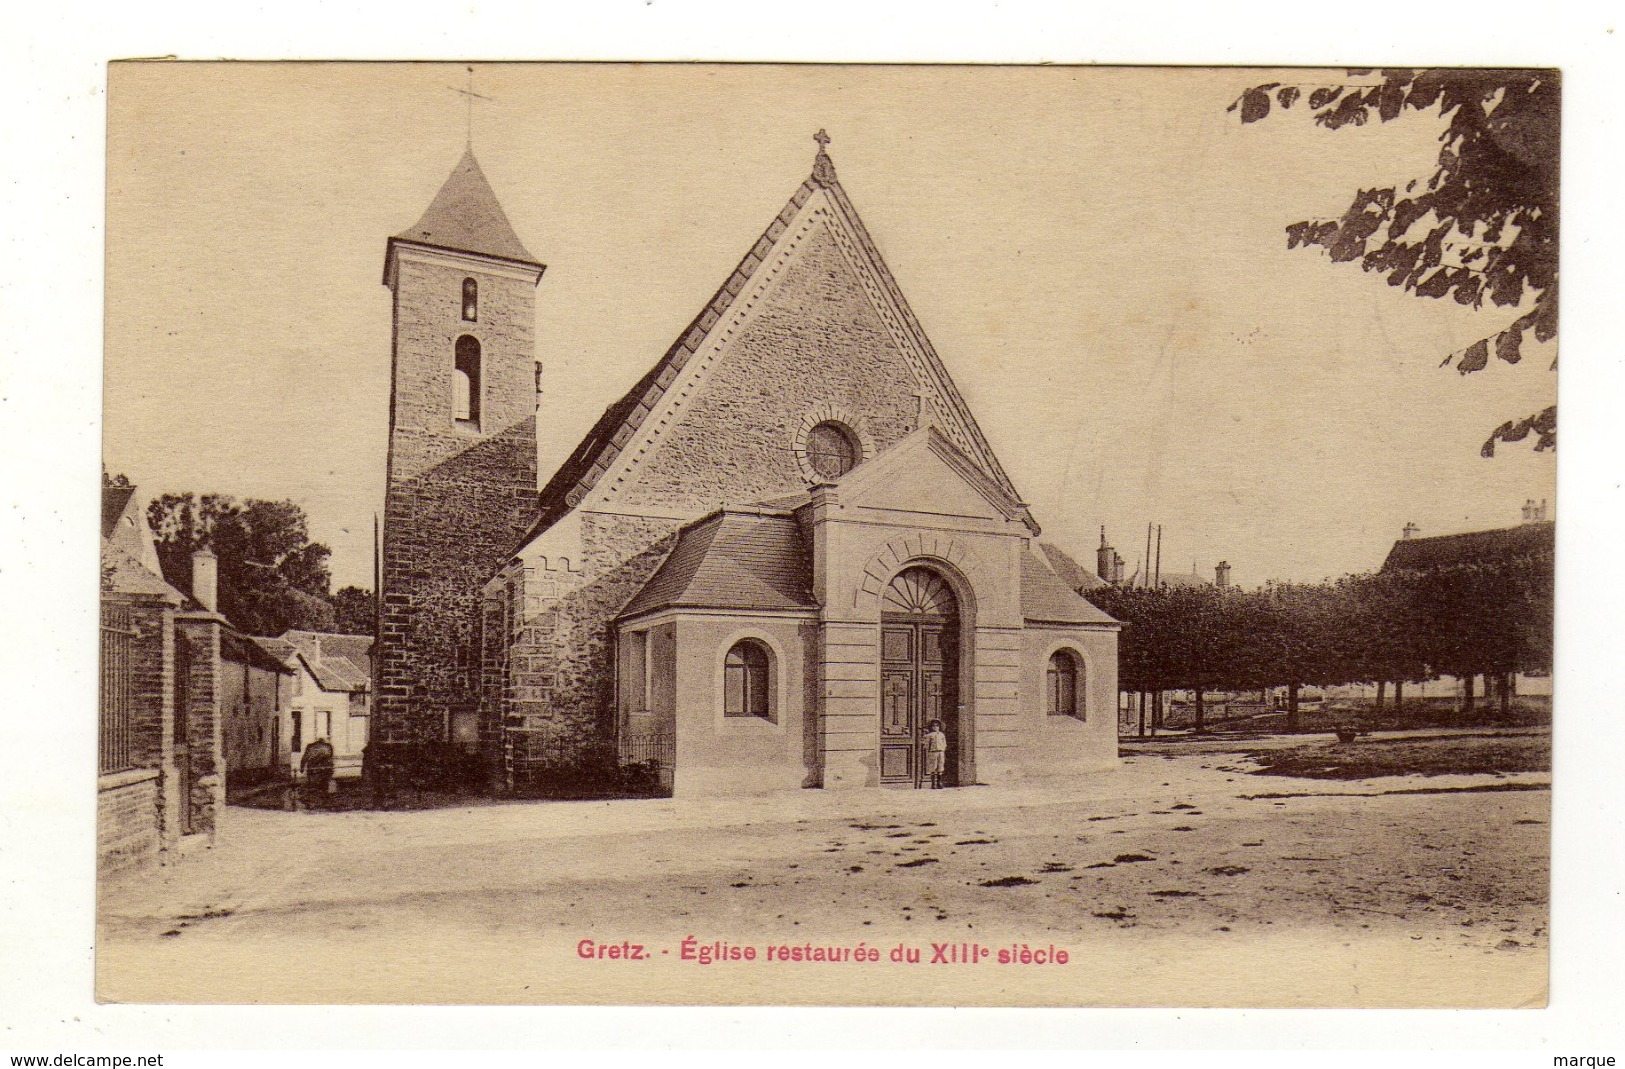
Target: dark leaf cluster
{"x":355,"y":612}
{"x":1482,"y":227}
{"x":272,"y":577}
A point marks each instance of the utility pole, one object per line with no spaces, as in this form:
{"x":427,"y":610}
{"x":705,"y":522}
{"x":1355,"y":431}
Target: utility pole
{"x":1156,"y":708}
{"x":1145,"y":571}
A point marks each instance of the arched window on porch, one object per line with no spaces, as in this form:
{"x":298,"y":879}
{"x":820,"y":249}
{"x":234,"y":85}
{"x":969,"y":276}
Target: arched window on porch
{"x":1064,"y":690}
{"x":745,"y":680}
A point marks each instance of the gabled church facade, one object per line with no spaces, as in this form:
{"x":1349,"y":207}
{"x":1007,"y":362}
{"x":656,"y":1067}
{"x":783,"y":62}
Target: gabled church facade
{"x":772,"y":564}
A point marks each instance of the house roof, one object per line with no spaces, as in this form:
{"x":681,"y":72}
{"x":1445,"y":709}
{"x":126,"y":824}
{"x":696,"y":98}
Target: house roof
{"x":336,"y":662}
{"x":1045,"y":598}
{"x":339,"y":673}
{"x":1168,"y":580}
{"x":357,"y":649}
{"x":732,"y":559}
{"x":1471,"y":547}
{"x":280,"y":648}
{"x":245,"y":649}
{"x":124,"y":574}
{"x":603,"y":443}
{"x":466,"y":216}
{"x":115,"y":499}
{"x":1070,"y":571}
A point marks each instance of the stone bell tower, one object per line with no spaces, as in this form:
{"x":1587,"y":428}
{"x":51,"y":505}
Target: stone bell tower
{"x":462,"y":459}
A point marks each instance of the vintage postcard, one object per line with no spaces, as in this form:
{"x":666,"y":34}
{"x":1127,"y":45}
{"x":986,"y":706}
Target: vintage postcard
{"x":828,"y":535}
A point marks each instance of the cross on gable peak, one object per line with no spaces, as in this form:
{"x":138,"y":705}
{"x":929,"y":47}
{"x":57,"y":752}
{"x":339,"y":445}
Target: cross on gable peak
{"x":823,"y":167}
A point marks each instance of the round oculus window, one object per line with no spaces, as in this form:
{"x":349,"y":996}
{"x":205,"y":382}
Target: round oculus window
{"x":832,"y":449}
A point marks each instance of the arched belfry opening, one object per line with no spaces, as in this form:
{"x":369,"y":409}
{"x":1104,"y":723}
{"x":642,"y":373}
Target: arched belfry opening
{"x":919,"y":674}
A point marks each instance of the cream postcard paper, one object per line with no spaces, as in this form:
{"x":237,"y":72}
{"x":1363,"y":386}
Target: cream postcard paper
{"x":840,"y":535}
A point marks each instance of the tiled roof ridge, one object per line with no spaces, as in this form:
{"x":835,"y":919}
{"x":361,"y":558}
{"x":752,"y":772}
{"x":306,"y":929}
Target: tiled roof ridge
{"x":1072,"y":573}
{"x":1047,"y":598}
{"x":1528,"y":524}
{"x":1436,"y":551}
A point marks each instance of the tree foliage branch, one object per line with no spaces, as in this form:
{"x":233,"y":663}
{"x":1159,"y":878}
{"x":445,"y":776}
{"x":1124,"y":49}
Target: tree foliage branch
{"x":1482,"y":228}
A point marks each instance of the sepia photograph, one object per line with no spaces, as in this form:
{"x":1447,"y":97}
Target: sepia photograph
{"x":827,"y":535}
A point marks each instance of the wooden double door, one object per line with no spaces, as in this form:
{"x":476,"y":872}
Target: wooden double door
{"x":919,"y":678}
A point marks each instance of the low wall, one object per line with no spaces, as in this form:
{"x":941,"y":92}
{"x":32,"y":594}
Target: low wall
{"x":128,"y":820}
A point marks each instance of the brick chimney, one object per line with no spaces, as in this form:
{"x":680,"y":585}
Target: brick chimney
{"x":206,"y":578}
{"x":1410,"y":532}
{"x":1221,"y":574}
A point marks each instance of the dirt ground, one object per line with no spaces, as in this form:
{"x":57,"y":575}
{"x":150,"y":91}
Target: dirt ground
{"x":1181,"y":878}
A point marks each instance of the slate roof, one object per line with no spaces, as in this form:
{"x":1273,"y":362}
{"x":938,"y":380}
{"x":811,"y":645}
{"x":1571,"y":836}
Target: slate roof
{"x":732,"y":560}
{"x":280,"y":648}
{"x":593,"y":456}
{"x":336,"y":662}
{"x":1046,"y":599}
{"x":1168,"y":580}
{"x":1070,"y":571}
{"x":114,"y":501}
{"x":338,"y":673}
{"x":466,"y":216}
{"x":245,"y":649}
{"x":1471,"y":547}
{"x":357,"y":649}
{"x":127,"y":575}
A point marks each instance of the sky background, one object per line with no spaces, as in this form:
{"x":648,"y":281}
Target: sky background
{"x":1097,"y":254}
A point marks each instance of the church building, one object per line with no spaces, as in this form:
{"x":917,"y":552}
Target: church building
{"x":772,"y":564}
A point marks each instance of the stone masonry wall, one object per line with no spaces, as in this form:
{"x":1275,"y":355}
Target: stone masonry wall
{"x":560,"y":683}
{"x":459,"y":497}
{"x":816,"y":340}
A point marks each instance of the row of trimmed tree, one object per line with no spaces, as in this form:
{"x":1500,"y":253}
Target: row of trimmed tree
{"x":1493,"y":619}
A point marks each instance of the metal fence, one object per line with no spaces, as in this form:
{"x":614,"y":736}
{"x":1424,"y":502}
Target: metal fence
{"x":117,"y":692}
{"x":658,"y":749}
{"x":539,"y":757}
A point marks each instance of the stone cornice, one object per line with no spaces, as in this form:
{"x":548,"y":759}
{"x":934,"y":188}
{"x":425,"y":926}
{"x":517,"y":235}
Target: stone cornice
{"x":439,"y":256}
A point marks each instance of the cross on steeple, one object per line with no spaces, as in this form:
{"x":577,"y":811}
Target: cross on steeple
{"x":471,"y":96}
{"x":822,"y":138}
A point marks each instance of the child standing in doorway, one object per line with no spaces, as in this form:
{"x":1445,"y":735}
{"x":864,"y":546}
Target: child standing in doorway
{"x":936,"y":753}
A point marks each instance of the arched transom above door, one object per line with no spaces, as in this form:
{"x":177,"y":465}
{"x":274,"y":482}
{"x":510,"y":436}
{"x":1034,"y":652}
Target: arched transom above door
{"x":938,"y":549}
{"x":919,"y":591}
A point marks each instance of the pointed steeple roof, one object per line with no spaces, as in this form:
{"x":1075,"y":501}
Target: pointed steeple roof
{"x":465,"y":216}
